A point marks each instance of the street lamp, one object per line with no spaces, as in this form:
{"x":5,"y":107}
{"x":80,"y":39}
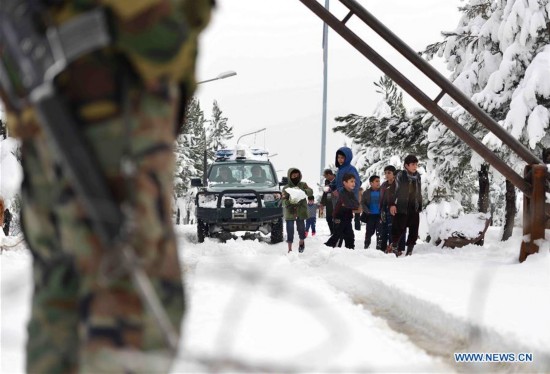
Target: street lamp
{"x":225,"y":74}
{"x":250,"y":133}
{"x":325,"y":75}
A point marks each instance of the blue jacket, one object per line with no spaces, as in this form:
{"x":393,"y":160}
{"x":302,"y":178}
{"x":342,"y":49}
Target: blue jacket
{"x":337,"y":183}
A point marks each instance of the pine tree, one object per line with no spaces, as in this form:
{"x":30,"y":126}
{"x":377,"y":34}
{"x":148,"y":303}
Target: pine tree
{"x":190,"y":143}
{"x":198,"y":136}
{"x":500,"y":56}
{"x":387,"y":136}
{"x":219,"y":132}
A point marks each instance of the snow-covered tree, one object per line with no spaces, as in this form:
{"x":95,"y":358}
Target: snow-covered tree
{"x":198,"y":136}
{"x":190,"y":143}
{"x":387,"y":136}
{"x":219,"y":132}
{"x":500,"y":56}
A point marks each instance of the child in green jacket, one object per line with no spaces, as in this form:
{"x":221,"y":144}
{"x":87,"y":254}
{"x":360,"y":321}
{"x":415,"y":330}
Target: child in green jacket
{"x":295,"y":195}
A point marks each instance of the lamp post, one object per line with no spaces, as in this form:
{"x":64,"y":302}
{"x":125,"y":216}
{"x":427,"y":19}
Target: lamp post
{"x":250,"y":133}
{"x":325,"y":74}
{"x":225,"y":74}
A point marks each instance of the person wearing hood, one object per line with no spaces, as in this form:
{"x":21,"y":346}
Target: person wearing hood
{"x":295,"y":208}
{"x":344,"y":155}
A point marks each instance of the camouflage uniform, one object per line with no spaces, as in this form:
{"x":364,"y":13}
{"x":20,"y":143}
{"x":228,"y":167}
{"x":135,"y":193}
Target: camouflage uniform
{"x":86,"y":314}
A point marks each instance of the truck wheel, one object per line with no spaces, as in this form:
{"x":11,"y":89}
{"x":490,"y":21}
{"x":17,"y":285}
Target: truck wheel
{"x":277,"y":232}
{"x":202,"y":230}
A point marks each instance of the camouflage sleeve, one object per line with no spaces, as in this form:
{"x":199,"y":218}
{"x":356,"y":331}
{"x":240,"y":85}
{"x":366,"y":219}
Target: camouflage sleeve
{"x":160,"y":36}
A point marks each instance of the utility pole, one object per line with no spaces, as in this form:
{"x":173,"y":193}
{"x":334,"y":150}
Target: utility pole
{"x":324,"y":115}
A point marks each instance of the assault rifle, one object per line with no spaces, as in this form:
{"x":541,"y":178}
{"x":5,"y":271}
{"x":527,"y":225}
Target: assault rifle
{"x":38,"y":57}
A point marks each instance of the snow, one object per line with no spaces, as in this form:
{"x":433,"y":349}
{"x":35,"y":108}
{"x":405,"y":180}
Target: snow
{"x":11,"y":173}
{"x":468,"y":226}
{"x":296,"y":195}
{"x":253,"y":307}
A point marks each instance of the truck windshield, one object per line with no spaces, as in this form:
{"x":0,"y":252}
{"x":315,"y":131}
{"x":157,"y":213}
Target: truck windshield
{"x":233,"y":174}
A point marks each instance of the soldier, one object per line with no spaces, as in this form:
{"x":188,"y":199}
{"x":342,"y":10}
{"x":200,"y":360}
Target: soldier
{"x":86,"y":313}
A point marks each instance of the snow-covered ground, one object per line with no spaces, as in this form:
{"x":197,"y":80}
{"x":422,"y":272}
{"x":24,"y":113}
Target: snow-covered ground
{"x":253,"y":307}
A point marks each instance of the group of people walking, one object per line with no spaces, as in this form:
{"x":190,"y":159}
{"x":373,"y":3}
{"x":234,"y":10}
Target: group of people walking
{"x":389,"y":209}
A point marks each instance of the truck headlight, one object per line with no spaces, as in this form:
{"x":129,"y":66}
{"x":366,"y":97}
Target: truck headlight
{"x":208,"y":201}
{"x":272,"y":196}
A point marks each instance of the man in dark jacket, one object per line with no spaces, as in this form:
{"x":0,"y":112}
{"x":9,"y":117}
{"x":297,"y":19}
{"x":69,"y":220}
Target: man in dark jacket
{"x":387,"y":197}
{"x":406,"y":206}
{"x":327,"y":200}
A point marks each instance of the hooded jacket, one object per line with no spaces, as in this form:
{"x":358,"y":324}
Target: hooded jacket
{"x":299,"y":210}
{"x":346,"y":167}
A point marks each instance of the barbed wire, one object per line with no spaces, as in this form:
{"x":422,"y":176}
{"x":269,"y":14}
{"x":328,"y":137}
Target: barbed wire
{"x":382,"y":301}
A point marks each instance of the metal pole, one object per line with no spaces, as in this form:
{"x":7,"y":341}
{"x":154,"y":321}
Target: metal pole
{"x":325,"y":93}
{"x":250,"y":133}
{"x":534,"y":215}
{"x":436,"y":77}
{"x":419,"y":96}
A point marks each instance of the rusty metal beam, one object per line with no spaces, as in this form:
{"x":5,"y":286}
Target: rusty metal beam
{"x":534,"y":215}
{"x":420,"y":96}
{"x":436,"y":77}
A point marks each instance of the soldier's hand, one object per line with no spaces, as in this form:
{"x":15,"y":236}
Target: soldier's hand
{"x":393,"y":210}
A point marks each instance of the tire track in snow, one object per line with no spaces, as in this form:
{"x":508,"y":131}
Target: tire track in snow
{"x":437,"y":332}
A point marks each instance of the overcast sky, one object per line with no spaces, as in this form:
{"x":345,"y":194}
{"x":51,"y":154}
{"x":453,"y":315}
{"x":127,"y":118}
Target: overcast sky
{"x":275,"y":48}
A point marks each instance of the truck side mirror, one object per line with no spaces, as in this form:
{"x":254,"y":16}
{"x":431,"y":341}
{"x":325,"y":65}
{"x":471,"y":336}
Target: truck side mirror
{"x":196,"y":182}
{"x":284,"y":181}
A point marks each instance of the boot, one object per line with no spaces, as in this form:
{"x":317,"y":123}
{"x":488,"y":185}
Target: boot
{"x":289,"y":247}
{"x":409,"y":250}
{"x":392,"y":248}
{"x":301,"y":246}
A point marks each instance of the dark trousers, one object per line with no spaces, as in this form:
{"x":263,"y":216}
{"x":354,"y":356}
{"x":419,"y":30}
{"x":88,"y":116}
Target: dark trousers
{"x":386,"y":226}
{"x":343,"y":230}
{"x":330,"y":224}
{"x":310,"y":223}
{"x":402,"y":222}
{"x":300,"y":226}
{"x":373,"y":226}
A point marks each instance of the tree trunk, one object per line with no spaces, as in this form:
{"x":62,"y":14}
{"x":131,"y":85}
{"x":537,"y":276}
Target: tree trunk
{"x":510,"y":214}
{"x":546,"y":160}
{"x":483,"y":199}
